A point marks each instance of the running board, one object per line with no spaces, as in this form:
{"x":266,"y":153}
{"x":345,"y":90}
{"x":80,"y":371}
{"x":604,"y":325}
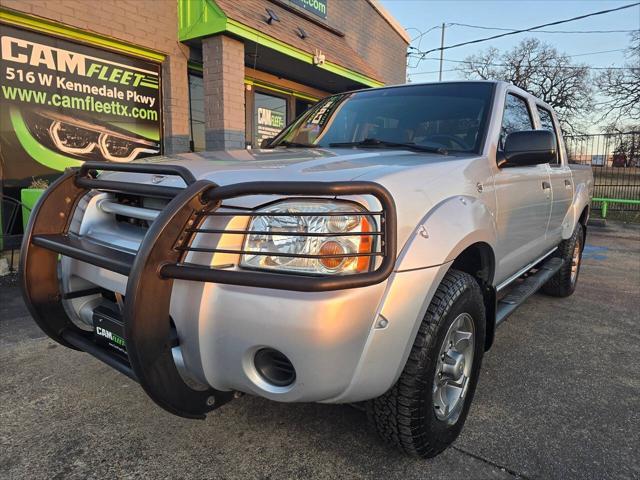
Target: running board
{"x":519,"y":294}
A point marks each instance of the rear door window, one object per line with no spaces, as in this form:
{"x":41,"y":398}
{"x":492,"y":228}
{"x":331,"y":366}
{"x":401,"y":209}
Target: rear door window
{"x":546,"y":123}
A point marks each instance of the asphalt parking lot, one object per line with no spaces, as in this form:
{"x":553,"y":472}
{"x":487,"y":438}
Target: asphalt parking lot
{"x":559,"y":397}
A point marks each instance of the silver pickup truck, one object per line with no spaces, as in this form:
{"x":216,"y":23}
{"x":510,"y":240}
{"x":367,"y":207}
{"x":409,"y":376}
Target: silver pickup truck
{"x":366,"y":254}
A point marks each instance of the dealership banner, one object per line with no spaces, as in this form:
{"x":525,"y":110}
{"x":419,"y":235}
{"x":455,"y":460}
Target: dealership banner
{"x":62,"y":103}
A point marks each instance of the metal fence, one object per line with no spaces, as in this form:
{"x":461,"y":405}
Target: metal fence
{"x":615,"y":160}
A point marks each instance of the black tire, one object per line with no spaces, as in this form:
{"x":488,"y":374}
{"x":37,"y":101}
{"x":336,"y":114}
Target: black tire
{"x":563,"y":283}
{"x":405,"y":416}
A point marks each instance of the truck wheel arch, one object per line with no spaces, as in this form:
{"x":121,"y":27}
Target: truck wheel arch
{"x":467,"y":243}
{"x":578,"y":212}
{"x":451,"y":230}
{"x":584,"y":219}
{"x":479,"y":261}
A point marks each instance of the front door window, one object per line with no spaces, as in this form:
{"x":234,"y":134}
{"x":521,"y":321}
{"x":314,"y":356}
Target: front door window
{"x":516,"y":118}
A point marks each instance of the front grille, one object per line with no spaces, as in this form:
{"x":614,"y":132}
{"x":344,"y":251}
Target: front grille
{"x":133,"y":209}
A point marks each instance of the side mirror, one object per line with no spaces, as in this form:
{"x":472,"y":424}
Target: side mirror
{"x":529,"y":147}
{"x":265,"y":142}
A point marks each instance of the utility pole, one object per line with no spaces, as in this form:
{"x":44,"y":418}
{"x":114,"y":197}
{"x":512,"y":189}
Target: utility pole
{"x":441,"y":52}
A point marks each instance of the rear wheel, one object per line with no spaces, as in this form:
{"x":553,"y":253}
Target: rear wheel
{"x":563,"y":283}
{"x":423,"y":413}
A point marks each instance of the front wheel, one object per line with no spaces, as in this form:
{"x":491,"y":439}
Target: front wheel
{"x":563,"y":283}
{"x":423,"y":413}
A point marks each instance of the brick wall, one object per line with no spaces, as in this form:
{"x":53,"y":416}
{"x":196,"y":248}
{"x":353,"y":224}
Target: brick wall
{"x":148,"y":23}
{"x":223,"y":81}
{"x":380,"y":52}
{"x":371,"y":37}
{"x":154,"y":24}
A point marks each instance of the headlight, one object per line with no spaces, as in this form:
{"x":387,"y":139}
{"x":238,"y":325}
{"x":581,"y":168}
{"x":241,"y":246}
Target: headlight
{"x":313,"y":237}
{"x":80,"y":138}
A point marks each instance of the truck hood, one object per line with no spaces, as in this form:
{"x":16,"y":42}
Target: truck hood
{"x":327,"y":165}
{"x":416,"y":180}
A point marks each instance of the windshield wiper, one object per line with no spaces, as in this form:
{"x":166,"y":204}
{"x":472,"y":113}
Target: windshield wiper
{"x":374,"y":142}
{"x":285,"y":143}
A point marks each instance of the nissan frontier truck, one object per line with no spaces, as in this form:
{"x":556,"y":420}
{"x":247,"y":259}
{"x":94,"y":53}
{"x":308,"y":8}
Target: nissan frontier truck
{"x":367,"y":253}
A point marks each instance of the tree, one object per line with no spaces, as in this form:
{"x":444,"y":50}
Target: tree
{"x":543,"y":71}
{"x":621,"y":88}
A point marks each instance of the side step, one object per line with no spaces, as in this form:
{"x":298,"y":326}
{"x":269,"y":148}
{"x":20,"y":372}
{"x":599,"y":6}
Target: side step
{"x":75,"y":247}
{"x":520,"y":293}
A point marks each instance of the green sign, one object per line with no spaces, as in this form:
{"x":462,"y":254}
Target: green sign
{"x":62,"y":103}
{"x":317,"y":7}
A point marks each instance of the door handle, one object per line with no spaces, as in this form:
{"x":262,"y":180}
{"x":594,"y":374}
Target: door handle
{"x":567,"y":183}
{"x":546,"y":186}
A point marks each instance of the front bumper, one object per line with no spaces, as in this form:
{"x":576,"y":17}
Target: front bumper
{"x":346,"y":346}
{"x":323,"y":334}
{"x":322,"y":323}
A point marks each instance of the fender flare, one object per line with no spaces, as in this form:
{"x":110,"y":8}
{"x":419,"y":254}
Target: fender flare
{"x":446,"y":231}
{"x":451,"y":226}
{"x":581,"y":200}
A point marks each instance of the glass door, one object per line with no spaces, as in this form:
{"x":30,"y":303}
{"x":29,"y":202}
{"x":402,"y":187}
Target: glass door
{"x":269,"y":117}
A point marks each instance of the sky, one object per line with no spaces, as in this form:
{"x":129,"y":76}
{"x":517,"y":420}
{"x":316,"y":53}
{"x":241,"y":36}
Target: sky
{"x":420,"y":15}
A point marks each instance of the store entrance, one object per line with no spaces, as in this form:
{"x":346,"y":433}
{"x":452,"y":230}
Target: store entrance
{"x":269,"y":117}
{"x":268,"y":111}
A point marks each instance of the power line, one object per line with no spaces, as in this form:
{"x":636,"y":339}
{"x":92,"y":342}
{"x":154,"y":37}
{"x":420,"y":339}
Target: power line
{"x":434,"y":71}
{"x":596,"y":53}
{"x":538,"y":31}
{"x":569,"y":67}
{"x":558,"y":22}
{"x":568,"y":56}
{"x":420,"y":37}
{"x":422,"y":34}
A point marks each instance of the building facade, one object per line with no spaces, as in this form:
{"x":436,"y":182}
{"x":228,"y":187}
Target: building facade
{"x":118,"y":80}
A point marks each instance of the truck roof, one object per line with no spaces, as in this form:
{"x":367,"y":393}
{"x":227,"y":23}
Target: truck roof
{"x":406,"y":85}
{"x":499,"y":83}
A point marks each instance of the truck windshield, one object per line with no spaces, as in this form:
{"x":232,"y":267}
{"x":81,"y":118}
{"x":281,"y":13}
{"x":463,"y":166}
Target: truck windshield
{"x":435,"y":117}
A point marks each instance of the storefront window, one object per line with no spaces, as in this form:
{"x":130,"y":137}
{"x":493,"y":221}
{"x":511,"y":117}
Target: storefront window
{"x":269,"y":116}
{"x":196,"y":110}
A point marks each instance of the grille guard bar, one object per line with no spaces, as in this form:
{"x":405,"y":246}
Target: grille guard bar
{"x":215,"y":195}
{"x":147,"y":325}
{"x":86,"y":173}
